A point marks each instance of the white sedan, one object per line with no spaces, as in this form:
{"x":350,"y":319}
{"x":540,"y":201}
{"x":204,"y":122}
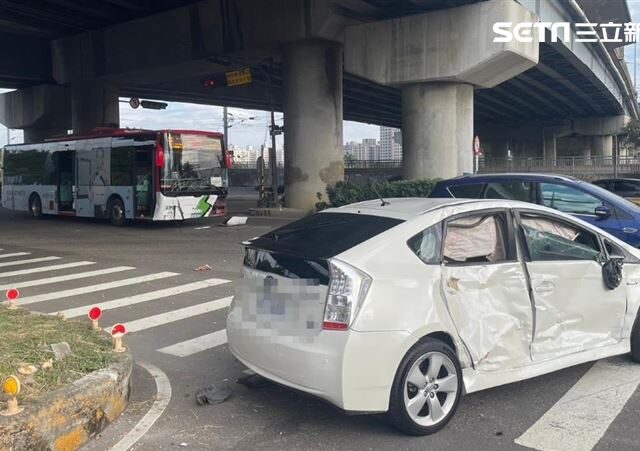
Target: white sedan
{"x":403,"y":305}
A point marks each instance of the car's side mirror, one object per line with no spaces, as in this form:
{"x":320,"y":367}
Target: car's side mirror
{"x":602,"y":212}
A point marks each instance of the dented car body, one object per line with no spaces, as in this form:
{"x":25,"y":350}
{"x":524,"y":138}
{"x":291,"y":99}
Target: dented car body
{"x":403,"y":305}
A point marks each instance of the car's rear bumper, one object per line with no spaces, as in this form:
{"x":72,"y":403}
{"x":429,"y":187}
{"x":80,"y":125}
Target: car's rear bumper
{"x":352,"y":370}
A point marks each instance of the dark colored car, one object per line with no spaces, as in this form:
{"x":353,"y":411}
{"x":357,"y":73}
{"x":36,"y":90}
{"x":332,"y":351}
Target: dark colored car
{"x":589,"y":202}
{"x":627,"y":188}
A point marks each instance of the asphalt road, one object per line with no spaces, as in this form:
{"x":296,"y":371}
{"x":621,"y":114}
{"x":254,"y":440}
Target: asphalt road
{"x":160,"y":258}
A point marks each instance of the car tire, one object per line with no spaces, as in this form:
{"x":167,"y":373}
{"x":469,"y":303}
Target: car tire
{"x":635,"y":340}
{"x":428,"y":376}
{"x":117,"y":212}
{"x":35,"y":206}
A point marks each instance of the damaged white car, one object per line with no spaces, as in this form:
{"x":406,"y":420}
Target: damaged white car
{"x":403,"y":305}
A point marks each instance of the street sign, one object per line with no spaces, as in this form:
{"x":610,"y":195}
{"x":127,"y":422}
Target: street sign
{"x":134,"y":102}
{"x":239,"y":77}
{"x":118,"y":330}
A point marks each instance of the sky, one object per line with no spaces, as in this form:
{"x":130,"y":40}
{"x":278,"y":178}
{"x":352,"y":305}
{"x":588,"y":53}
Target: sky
{"x":252,"y":132}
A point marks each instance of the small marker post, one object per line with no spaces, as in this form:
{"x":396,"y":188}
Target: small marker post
{"x":117,"y":332}
{"x":11,"y":387}
{"x":12,"y":298}
{"x":95,"y":313}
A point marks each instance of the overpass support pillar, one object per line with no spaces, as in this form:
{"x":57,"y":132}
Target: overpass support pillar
{"x":437,"y":130}
{"x":438,"y":58}
{"x":40,"y":111}
{"x":602,"y":146}
{"x":94,"y":104}
{"x":312,"y":120}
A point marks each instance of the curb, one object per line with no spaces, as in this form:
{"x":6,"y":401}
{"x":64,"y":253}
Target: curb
{"x":285,"y":213}
{"x":66,"y":419}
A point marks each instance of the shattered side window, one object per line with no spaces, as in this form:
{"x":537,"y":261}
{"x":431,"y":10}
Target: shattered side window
{"x":549,"y":239}
{"x":476,"y":239}
{"x":426,"y":245}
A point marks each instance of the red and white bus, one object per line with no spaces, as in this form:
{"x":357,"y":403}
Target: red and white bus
{"x":120,"y":174}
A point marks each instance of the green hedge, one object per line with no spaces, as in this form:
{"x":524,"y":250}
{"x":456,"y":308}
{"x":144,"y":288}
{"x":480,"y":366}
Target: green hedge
{"x":348,"y":193}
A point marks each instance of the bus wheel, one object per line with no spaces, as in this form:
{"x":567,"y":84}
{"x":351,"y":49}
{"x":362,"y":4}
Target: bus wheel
{"x":116,"y":212}
{"x":35,"y":206}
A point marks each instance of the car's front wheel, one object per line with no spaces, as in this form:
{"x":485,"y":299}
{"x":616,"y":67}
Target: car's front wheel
{"x":427,"y":388}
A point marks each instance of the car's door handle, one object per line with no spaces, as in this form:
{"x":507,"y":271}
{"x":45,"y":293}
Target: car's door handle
{"x":629,"y":230}
{"x":544,"y":287}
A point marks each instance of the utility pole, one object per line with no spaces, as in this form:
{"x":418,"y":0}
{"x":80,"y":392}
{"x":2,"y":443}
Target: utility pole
{"x":272,"y":158}
{"x":635,"y":67}
{"x":225,"y":121}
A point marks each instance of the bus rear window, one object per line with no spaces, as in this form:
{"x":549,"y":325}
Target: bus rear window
{"x":324,"y":235}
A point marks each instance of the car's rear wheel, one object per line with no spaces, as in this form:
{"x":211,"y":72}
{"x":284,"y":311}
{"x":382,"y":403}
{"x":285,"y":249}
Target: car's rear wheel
{"x":427,"y":388}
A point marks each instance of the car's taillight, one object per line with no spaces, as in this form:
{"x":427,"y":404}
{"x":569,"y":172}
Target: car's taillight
{"x":347,"y":289}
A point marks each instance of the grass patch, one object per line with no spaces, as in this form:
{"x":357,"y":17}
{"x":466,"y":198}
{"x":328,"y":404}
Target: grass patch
{"x":26,"y":338}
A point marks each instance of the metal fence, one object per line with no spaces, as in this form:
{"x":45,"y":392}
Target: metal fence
{"x":577,"y":166}
{"x":348,"y":164}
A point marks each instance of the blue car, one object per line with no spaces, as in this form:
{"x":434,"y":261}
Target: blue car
{"x":588,"y":202}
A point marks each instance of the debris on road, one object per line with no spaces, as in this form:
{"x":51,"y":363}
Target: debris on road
{"x":26,"y":369}
{"x":212,"y":395}
{"x":252,"y":380}
{"x":203,"y":268}
{"x":236,"y":220}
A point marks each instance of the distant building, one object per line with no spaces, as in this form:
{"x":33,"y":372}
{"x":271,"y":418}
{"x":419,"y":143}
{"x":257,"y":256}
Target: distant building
{"x":390,"y":143}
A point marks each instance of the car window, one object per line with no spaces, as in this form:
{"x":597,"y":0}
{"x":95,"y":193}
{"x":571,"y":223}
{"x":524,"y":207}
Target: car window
{"x":476,"y":239}
{"x":602,"y":184}
{"x":614,"y":249}
{"x":510,"y":190}
{"x":624,"y":185}
{"x":466,"y":191}
{"x":568,"y":199}
{"x":426,"y":245}
{"x":550,"y":239}
{"x":324,"y":235}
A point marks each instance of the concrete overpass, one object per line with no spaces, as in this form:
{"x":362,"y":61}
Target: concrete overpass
{"x":428,"y":66}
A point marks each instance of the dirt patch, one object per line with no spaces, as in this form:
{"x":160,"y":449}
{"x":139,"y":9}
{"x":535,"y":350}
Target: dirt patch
{"x":27,"y":338}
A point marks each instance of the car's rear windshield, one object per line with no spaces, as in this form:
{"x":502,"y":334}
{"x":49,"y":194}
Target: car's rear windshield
{"x":324,"y":235}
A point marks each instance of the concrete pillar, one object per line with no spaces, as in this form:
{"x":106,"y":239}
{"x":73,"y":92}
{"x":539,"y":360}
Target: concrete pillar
{"x":437,"y":130}
{"x":312,"y":120}
{"x":94,"y":104}
{"x":41,"y":111}
{"x":602,"y":146}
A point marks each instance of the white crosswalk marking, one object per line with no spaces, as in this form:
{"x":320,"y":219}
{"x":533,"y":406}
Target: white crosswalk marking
{"x":581,"y":417}
{"x":28,"y":261}
{"x":144,"y":297}
{"x":195,"y":345}
{"x":22,"y":272}
{"x":176,"y":315}
{"x":94,"y":288}
{"x":79,"y":275}
{"x":15,"y":254}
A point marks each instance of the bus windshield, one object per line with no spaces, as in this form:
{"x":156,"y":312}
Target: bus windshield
{"x":193,"y":163}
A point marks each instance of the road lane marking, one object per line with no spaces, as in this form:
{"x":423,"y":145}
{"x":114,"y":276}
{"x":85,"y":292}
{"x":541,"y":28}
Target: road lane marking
{"x":144,"y":297}
{"x":195,"y":345}
{"x":30,"y":260}
{"x":176,"y":315}
{"x":202,"y":228}
{"x":581,"y":417}
{"x":15,"y":254}
{"x":94,"y":288}
{"x":22,"y":272}
{"x":66,"y":277}
{"x":163,"y":396}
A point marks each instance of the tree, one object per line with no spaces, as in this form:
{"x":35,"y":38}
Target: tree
{"x":631,"y":134}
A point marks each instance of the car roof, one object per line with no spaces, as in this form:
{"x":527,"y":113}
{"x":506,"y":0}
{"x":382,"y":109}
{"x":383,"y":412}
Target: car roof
{"x":527,"y":176}
{"x":406,"y":208}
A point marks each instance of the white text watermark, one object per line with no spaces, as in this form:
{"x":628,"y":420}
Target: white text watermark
{"x":562,"y":32}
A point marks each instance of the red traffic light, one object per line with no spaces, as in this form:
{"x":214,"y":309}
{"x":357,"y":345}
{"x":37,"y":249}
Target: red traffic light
{"x":209,"y":83}
{"x":118,"y":329}
{"x":95,"y":313}
{"x":12,"y":294}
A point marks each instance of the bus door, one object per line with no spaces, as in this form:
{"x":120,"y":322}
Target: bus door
{"x":83,"y":184}
{"x":143,"y":180}
{"x":66,"y":180}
